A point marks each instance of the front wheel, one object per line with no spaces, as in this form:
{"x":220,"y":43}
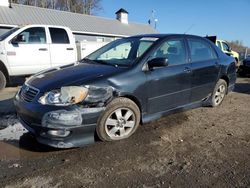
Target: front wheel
{"x":2,"y":80}
{"x":119,"y":121}
{"x":219,"y":93}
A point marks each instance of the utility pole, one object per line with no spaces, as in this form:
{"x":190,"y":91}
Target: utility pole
{"x":153,"y":21}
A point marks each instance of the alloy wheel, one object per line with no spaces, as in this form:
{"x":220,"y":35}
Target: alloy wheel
{"x":120,"y":123}
{"x":220,"y":94}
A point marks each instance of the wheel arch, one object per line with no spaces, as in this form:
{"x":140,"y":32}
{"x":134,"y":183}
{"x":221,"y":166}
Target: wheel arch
{"x":134,"y":99}
{"x":5,"y":71}
{"x":224,"y":77}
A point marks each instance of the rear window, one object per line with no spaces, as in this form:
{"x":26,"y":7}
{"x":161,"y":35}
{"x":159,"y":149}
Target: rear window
{"x":59,"y":36}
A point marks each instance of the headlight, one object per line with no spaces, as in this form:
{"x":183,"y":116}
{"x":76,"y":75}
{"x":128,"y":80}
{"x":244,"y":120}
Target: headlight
{"x":65,"y":96}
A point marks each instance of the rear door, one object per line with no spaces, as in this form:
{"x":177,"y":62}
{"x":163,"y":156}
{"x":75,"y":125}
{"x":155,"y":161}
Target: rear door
{"x":30,"y":54}
{"x":169,"y":87}
{"x":62,"y":47}
{"x":205,"y":68}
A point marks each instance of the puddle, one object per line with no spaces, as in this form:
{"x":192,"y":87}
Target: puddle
{"x":16,"y":143}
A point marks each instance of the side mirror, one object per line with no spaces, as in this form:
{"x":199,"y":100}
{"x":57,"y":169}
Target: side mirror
{"x":158,"y":62}
{"x":18,"y":39}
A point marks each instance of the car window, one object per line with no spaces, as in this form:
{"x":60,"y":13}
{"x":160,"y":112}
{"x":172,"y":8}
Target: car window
{"x":8,"y":33}
{"x":225,"y":46}
{"x":118,"y":52}
{"x":35,"y":35}
{"x":173,"y":50}
{"x":143,"y":46}
{"x":200,"y":50}
{"x":59,"y":36}
{"x":219,"y":45}
{"x":122,"y":52}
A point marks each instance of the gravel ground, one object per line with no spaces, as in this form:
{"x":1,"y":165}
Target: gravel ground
{"x":204,"y":147}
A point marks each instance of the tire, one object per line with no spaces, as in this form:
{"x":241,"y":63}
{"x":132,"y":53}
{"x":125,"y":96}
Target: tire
{"x":2,"y":80}
{"x":219,"y":93}
{"x":119,"y":121}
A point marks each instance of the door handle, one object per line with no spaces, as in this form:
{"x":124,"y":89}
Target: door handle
{"x":70,"y":48}
{"x":187,"y":70}
{"x":43,"y":49}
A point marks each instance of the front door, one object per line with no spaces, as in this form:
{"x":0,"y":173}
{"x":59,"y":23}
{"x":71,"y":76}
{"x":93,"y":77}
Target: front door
{"x":28,"y":52}
{"x":169,"y":87}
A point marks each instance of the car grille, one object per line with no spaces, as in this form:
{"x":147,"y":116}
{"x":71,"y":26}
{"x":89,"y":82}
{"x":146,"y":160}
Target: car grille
{"x":28,"y":93}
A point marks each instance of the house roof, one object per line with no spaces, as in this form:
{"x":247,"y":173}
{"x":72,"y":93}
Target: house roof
{"x":122,"y":10}
{"x":78,"y":23}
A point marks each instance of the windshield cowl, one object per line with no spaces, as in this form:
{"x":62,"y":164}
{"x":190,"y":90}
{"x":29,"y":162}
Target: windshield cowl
{"x":102,"y":62}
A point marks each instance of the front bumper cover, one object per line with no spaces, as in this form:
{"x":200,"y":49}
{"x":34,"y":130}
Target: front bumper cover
{"x":41,"y":119}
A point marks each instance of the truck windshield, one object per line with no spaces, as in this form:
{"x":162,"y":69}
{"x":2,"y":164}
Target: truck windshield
{"x":122,"y":52}
{"x":8,"y":33}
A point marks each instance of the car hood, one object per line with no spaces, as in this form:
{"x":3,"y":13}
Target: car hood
{"x":72,"y":74}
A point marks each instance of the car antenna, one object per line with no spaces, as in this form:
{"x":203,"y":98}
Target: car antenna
{"x":189,"y":28}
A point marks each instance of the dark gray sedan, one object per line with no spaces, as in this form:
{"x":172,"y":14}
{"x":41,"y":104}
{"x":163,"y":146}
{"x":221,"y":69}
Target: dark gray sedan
{"x":128,"y":82}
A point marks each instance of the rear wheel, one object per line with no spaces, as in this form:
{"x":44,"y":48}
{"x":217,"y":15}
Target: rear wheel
{"x":219,"y":93}
{"x":2,"y":80}
{"x":119,"y":121}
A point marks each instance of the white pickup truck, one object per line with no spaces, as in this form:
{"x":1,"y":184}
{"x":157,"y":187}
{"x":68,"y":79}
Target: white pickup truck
{"x":32,"y":48}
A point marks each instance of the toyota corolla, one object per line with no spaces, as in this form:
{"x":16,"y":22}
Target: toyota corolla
{"x":128,"y":82}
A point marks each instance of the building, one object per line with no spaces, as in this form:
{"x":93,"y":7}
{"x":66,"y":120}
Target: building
{"x":84,"y":27}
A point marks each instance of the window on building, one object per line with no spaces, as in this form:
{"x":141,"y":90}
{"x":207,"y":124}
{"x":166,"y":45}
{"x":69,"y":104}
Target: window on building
{"x":100,"y":39}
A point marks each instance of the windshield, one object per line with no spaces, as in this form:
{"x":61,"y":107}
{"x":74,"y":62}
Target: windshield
{"x":122,"y":52}
{"x":8,"y":33}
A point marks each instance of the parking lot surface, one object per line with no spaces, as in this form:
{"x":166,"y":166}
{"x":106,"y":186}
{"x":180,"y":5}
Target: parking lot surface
{"x":196,"y":148}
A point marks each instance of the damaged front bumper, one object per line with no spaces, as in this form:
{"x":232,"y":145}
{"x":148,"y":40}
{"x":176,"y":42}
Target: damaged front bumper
{"x":60,"y":127}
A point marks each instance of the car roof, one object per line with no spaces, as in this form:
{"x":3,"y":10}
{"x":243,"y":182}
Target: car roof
{"x":167,"y":35}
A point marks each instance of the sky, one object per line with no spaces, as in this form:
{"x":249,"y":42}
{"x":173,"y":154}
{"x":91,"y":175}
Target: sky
{"x":227,"y":19}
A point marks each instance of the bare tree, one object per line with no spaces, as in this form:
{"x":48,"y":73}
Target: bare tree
{"x":78,"y":6}
{"x":91,"y":6}
{"x":15,"y":1}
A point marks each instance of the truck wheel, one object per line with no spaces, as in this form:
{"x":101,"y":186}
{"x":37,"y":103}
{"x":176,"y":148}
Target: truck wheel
{"x":119,"y":121}
{"x":2,"y":80}
{"x":219,"y":93}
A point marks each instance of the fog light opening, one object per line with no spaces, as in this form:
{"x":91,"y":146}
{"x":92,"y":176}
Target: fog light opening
{"x":58,"y":133}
